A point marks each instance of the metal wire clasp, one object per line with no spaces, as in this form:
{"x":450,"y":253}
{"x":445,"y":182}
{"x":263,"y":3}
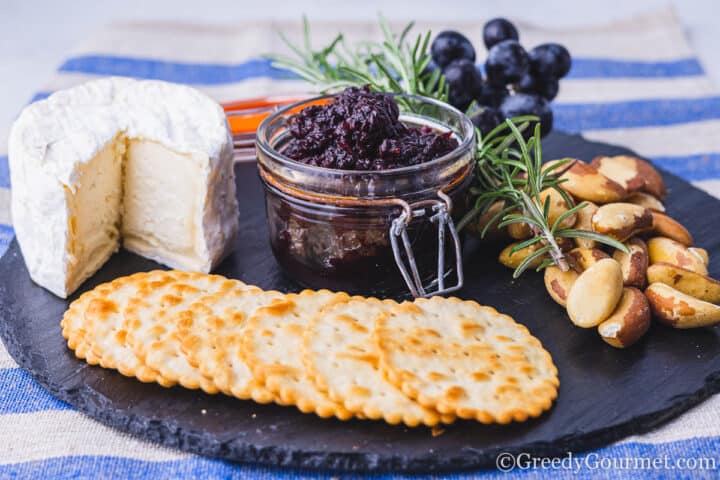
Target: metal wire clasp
{"x":439,"y":211}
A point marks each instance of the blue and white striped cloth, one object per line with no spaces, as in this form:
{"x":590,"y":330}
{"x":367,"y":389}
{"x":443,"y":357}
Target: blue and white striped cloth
{"x":636,"y":83}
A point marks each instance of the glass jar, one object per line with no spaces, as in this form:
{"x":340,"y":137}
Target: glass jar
{"x":369,"y":232}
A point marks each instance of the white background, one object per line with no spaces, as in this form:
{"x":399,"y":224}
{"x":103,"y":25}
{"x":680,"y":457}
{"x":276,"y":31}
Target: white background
{"x":36,"y":35}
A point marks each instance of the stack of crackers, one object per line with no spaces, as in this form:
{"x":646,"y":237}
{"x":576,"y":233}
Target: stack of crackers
{"x":419,"y":363}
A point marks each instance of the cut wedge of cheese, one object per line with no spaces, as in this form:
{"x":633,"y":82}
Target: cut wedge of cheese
{"x":143,"y":164}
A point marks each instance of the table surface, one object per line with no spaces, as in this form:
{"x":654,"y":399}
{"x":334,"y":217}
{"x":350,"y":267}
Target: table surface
{"x":28,"y":57}
{"x":37,"y":36}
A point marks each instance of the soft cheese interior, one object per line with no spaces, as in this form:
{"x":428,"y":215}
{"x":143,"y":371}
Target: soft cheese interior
{"x":163,"y":203}
{"x":143,"y":164}
{"x":144,"y":194}
{"x":94,"y":206}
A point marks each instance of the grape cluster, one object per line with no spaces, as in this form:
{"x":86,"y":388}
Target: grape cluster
{"x":514,"y":82}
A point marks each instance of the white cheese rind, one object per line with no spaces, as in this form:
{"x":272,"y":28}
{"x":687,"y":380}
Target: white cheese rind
{"x":54,"y":138}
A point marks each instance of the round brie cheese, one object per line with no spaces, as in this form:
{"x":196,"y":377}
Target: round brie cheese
{"x":142,"y":164}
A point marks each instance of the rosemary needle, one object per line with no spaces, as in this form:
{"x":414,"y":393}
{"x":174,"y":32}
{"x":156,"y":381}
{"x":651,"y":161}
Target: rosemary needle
{"x":510,"y":170}
{"x":392,"y":65}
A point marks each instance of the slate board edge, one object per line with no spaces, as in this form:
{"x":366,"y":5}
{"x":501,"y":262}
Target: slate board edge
{"x":168,"y":434}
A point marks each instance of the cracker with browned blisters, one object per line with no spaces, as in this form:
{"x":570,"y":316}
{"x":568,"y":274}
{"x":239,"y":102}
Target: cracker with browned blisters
{"x":73,"y":325}
{"x":92,"y":326}
{"x":160,"y":312}
{"x":213,"y":344}
{"x":342,"y":359}
{"x":272,"y":347}
{"x":104,"y":323}
{"x":464,"y":359}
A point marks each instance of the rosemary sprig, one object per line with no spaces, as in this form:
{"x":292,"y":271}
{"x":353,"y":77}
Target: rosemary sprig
{"x":392,"y":65}
{"x":510,"y":170}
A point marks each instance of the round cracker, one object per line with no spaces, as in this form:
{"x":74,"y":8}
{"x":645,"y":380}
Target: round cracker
{"x":158,"y":313}
{"x":95,"y":317}
{"x":272,"y":347}
{"x":465,"y":359}
{"x":105,"y":336}
{"x":342,"y":359}
{"x":73,"y":325}
{"x":213,"y":344}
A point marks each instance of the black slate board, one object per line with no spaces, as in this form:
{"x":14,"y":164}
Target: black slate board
{"x":605,"y":393}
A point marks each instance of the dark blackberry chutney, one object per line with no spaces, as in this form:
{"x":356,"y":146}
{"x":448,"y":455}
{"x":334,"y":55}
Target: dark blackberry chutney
{"x":361,"y":130}
{"x":338,"y":171}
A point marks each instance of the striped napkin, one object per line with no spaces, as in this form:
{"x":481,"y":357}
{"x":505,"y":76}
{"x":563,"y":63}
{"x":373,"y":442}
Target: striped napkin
{"x":636,"y":83}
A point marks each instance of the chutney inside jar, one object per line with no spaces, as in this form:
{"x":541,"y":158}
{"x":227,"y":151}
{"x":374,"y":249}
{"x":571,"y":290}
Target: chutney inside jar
{"x":331,"y":228}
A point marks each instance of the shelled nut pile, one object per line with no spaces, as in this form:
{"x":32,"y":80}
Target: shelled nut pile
{"x":664,"y":275}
